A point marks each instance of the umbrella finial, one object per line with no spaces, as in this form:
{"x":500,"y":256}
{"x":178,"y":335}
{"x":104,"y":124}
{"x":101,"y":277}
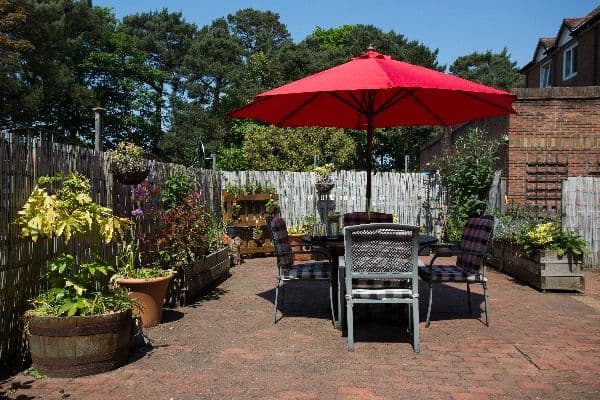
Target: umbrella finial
{"x":371,"y":47}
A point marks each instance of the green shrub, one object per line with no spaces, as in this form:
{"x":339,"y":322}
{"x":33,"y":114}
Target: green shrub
{"x":466,"y":171}
{"x":176,"y":188}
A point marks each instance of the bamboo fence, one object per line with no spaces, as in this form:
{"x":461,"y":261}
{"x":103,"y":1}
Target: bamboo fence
{"x":22,"y":263}
{"x":413,"y":198}
{"x":581,"y":212}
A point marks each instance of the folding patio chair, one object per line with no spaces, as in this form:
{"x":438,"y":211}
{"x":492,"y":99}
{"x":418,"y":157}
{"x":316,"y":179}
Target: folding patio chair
{"x":470,"y":260}
{"x":288,"y":271}
{"x":381,"y":252}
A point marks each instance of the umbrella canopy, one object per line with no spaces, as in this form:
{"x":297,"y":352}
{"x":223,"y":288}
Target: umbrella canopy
{"x":375,"y":91}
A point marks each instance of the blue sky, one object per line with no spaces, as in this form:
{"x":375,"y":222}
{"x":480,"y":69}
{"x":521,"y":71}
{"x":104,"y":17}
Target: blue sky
{"x":456,"y":28}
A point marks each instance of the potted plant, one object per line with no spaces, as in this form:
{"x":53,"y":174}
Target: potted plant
{"x":271,"y":206}
{"x":190,"y":241}
{"x":296,"y":232}
{"x":540,"y":253}
{"x":127,"y":163}
{"x":257,"y":233}
{"x":146,"y":280}
{"x":79,"y":325}
{"x":324,"y":182}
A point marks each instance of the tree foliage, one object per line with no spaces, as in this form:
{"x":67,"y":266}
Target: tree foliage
{"x":293,"y":149}
{"x":492,"y":69}
{"x":169,"y":85}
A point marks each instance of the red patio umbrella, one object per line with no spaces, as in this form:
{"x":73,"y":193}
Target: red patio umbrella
{"x":375,"y":91}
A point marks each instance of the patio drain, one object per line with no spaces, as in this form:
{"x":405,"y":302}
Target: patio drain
{"x":526,"y":357}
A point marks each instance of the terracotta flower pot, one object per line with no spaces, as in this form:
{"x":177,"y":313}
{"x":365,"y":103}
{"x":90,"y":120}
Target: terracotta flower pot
{"x":150,"y":293}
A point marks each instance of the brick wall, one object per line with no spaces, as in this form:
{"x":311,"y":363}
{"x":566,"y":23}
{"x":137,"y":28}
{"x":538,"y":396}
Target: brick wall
{"x":561,"y":124}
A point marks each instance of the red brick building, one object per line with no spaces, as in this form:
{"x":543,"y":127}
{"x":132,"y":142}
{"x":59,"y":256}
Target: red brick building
{"x":572,"y":58}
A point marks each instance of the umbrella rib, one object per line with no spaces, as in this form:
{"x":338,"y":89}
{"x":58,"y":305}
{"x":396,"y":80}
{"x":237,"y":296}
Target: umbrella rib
{"x":399,"y":95}
{"x":429,"y":110}
{"x":490,"y":103}
{"x":297,"y":109}
{"x":355,"y":106}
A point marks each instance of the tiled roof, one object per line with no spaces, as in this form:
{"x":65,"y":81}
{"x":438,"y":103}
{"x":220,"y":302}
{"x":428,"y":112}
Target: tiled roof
{"x":576,"y":23}
{"x":548,"y":42}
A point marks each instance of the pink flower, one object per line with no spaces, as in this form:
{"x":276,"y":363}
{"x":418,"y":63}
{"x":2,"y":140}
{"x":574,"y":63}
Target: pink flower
{"x":137,"y":213}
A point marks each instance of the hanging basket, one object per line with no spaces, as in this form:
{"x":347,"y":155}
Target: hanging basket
{"x":324,"y":187}
{"x":131,"y":177}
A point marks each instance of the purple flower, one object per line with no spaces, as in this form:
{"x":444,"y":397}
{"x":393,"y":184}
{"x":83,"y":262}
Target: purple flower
{"x":137,"y":212}
{"x":139,"y":193}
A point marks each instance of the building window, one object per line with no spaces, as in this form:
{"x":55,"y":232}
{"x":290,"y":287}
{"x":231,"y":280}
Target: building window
{"x":570,"y":62}
{"x":545,"y":75}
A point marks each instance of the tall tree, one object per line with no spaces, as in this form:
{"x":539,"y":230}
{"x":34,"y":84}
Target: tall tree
{"x":492,"y":69}
{"x":51,"y":91}
{"x":165,"y":38}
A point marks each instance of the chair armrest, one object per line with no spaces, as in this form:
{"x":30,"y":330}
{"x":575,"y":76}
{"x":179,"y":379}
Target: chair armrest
{"x":319,"y":251}
{"x":444,"y":249}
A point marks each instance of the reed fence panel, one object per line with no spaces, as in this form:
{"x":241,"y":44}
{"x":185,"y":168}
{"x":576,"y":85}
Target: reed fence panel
{"x":581,"y":212}
{"x":414,"y":198}
{"x":22,"y":263}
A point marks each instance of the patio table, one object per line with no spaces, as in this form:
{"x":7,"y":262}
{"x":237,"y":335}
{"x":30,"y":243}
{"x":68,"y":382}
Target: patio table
{"x":335,"y":246}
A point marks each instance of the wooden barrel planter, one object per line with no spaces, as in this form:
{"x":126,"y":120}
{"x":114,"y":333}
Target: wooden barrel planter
{"x":66,"y":347}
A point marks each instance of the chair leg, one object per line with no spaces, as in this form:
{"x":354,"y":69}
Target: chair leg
{"x":331,"y":305}
{"x":415,"y":326}
{"x":350,"y":324}
{"x":429,"y":306}
{"x":276,"y":296}
{"x":469,"y":296}
{"x":282,"y":294}
{"x":485,"y":298}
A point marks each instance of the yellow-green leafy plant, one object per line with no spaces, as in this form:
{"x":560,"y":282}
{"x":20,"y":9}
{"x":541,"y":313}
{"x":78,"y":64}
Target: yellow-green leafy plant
{"x":550,"y":236}
{"x":68,"y":210}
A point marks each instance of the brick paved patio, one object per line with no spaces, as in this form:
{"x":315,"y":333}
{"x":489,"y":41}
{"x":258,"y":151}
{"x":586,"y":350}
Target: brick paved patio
{"x":539,"y":346}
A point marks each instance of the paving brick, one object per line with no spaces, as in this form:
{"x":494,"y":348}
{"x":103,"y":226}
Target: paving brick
{"x":225,"y":346}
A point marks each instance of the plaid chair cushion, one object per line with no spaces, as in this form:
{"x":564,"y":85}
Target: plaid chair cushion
{"x":358,"y":218}
{"x":475,"y":238}
{"x":379,"y":294}
{"x":281,"y":241}
{"x":313,"y":270}
{"x":449,"y":273}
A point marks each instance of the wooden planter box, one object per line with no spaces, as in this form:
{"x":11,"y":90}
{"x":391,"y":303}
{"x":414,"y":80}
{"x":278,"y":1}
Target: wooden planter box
{"x":193,"y":279}
{"x":542,"y":269}
{"x":296,"y":241}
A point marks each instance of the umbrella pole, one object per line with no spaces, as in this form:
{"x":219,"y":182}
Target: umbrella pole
{"x":370,"y":134}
